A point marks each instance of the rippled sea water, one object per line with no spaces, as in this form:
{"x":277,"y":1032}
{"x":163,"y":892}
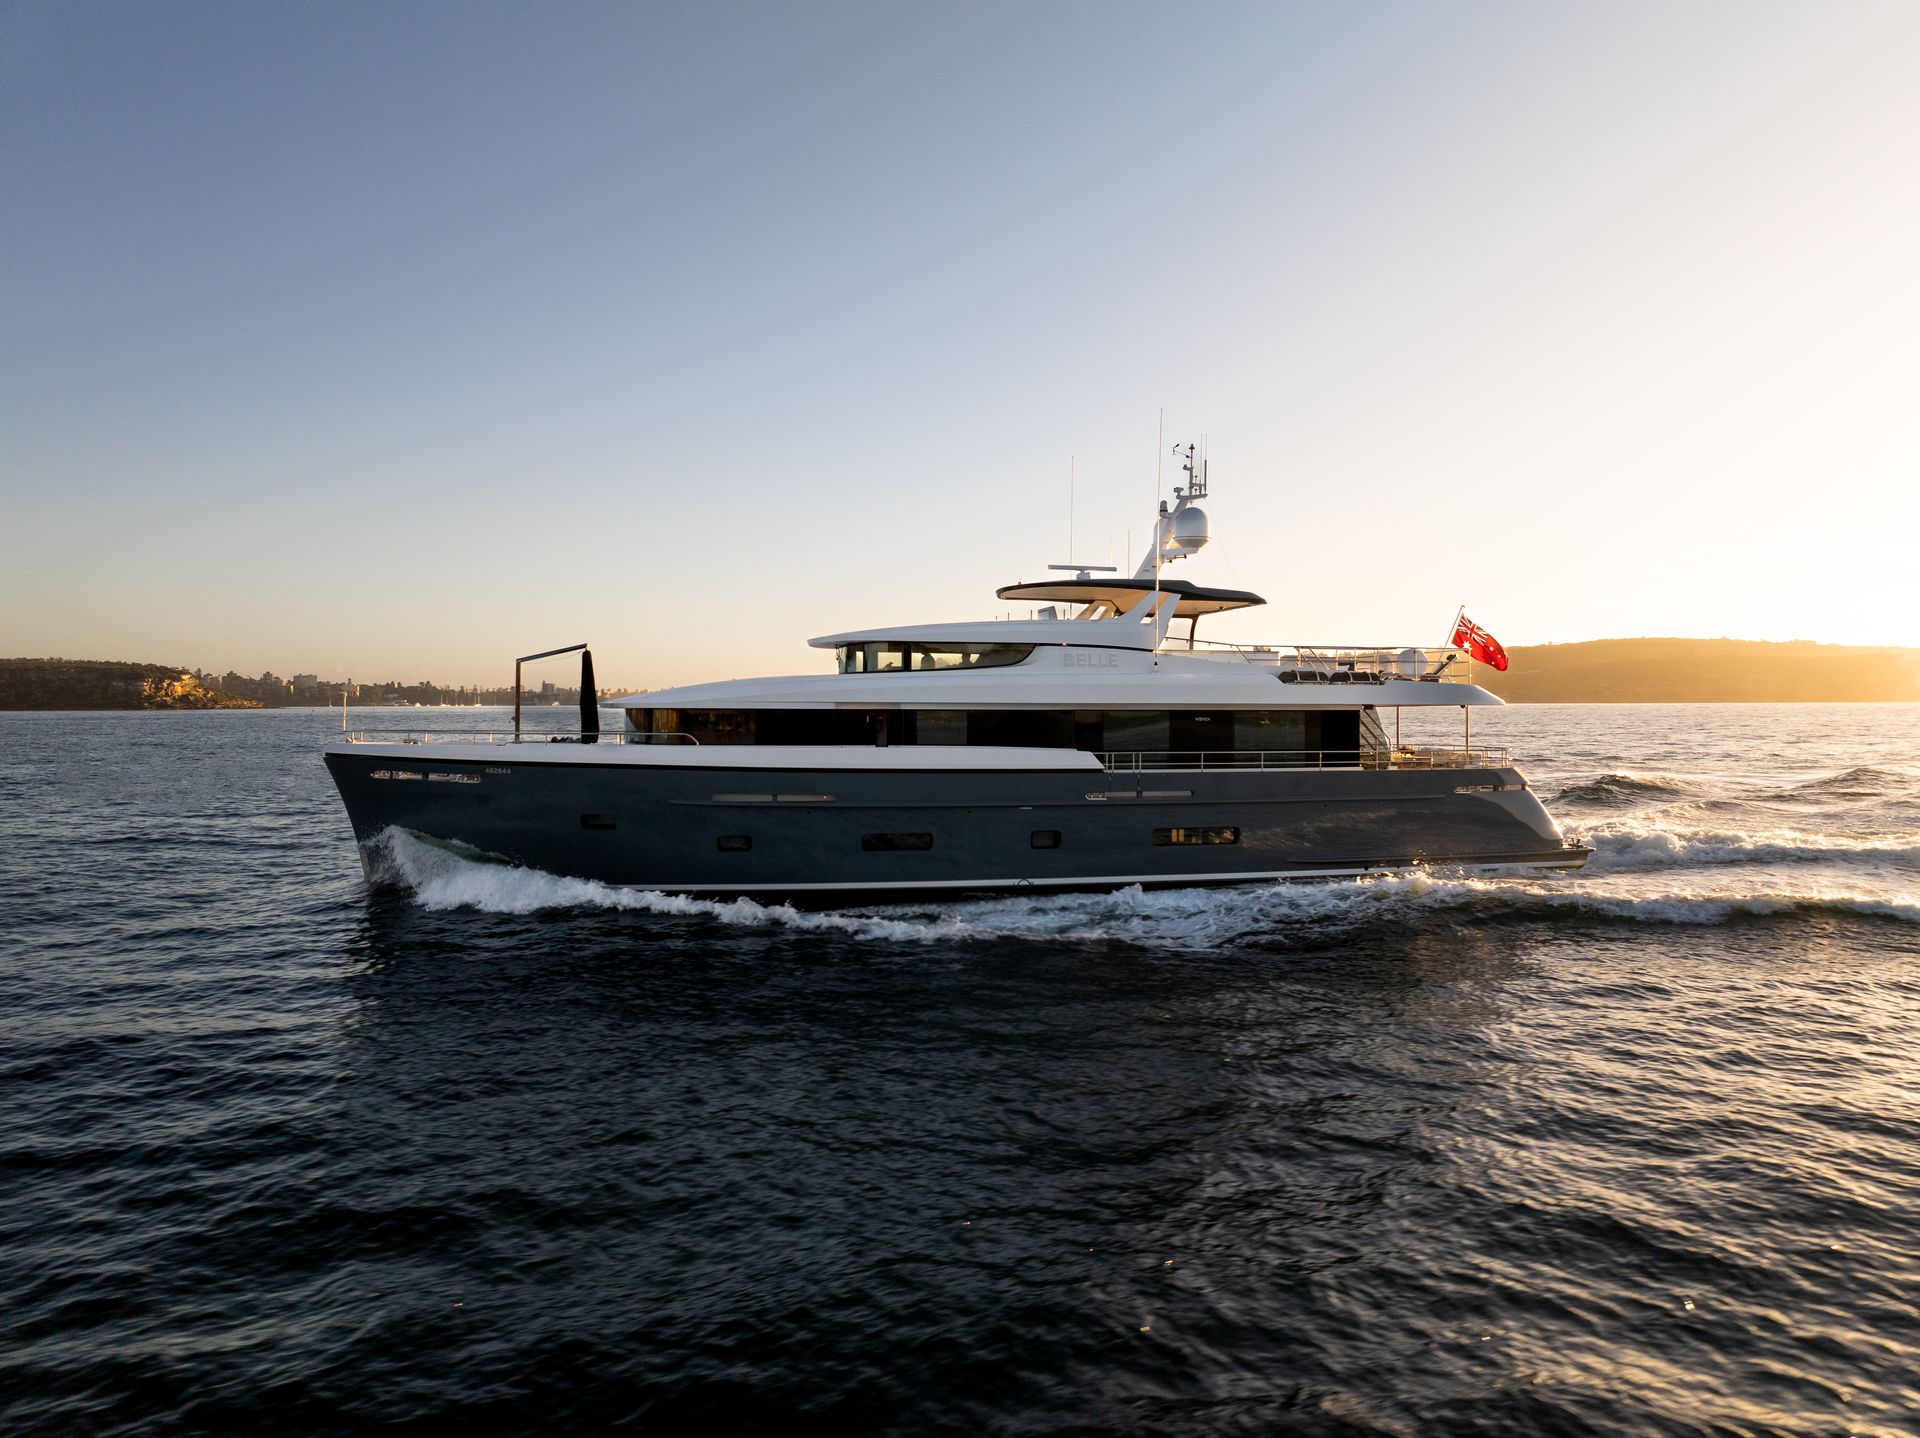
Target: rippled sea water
{"x":1631,"y":1152}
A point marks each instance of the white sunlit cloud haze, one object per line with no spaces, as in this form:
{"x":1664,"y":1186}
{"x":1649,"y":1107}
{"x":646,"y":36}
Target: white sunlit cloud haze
{"x":392,"y":341}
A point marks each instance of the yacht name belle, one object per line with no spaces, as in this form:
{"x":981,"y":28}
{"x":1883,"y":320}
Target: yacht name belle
{"x":1094,"y":745}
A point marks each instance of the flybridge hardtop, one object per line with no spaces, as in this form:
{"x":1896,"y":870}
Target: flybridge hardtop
{"x":1117,"y":595}
{"x":1087,"y":745}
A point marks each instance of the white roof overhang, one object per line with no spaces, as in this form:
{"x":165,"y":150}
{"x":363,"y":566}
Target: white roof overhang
{"x":1094,"y":633}
{"x":1191,"y":600}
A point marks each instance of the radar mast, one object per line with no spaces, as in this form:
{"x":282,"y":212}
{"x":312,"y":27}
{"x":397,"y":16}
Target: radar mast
{"x":1181,"y":528}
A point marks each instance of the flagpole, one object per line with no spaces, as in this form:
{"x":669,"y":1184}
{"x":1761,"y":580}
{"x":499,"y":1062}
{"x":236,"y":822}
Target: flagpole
{"x":1466,"y":714}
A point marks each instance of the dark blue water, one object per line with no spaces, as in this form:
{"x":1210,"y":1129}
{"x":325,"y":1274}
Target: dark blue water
{"x":1635,"y":1152}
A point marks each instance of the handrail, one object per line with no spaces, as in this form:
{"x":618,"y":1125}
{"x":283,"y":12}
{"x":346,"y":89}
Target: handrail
{"x":1312,"y":663}
{"x":1405,"y":757}
{"x":507,"y":736}
{"x":1386,"y":649}
{"x":1440,"y":757}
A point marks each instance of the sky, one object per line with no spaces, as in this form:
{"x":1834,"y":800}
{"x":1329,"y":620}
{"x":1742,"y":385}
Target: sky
{"x":391,"y":341}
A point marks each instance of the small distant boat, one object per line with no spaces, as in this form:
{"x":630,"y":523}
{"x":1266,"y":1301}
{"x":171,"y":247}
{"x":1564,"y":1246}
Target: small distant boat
{"x":1086,"y":747}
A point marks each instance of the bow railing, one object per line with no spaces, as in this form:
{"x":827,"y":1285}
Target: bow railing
{"x":507,"y":736}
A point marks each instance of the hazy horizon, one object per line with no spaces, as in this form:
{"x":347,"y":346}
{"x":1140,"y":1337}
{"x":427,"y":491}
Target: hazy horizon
{"x":359,"y":340}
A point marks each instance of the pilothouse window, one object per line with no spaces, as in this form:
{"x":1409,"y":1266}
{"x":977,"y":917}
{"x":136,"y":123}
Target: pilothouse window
{"x":901,"y":658}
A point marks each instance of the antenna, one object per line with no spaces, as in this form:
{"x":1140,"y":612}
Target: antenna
{"x":1160,"y":506}
{"x":1072,"y":464}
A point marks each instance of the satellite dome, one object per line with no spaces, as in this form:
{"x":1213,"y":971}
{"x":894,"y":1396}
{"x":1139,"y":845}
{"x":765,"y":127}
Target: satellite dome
{"x":1190,"y":528}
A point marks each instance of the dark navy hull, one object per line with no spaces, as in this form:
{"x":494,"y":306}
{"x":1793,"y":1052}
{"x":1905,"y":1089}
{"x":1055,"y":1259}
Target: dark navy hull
{"x":795,"y":831}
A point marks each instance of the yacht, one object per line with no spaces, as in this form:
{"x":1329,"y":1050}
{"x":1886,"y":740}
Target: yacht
{"x":1095,"y":744}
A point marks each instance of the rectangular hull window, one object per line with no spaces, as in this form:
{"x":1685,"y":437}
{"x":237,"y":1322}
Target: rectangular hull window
{"x":894,"y":843}
{"x":1137,"y":730}
{"x":1021,"y":729}
{"x":734,"y":843}
{"x":1196,"y":835}
{"x":1045,"y":839}
{"x":596,"y":821}
{"x":934,"y":726}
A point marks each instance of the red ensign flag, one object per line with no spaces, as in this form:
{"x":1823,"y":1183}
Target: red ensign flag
{"x":1476,"y":641}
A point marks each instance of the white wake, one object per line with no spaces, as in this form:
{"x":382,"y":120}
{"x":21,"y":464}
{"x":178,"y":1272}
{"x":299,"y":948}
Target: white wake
{"x":1195,"y":918}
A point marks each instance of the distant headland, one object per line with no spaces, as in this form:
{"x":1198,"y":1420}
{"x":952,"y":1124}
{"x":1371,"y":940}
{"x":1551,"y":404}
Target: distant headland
{"x":115,"y":684}
{"x":107,"y":684}
{"x":1597,"y":671}
{"x":1702,"y":671}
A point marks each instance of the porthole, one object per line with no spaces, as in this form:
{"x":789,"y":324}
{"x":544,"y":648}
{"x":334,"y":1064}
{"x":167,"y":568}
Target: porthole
{"x":1195,"y":834}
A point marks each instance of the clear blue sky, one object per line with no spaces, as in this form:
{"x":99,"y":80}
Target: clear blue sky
{"x":396,"y":339}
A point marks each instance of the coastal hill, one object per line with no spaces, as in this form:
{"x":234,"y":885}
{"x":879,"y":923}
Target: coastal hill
{"x":1702,"y":671}
{"x":106,"y":684}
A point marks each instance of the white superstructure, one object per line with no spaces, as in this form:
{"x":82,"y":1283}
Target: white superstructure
{"x":1098,"y":643}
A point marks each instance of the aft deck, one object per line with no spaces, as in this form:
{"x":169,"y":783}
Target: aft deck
{"x":1342,"y":664}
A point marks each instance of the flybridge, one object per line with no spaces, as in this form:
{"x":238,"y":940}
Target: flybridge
{"x":1103,"y":642}
{"x":1092,"y":607}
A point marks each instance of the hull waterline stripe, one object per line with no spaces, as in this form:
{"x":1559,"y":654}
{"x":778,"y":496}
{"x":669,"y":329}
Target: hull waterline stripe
{"x":1119,"y":881}
{"x":1100,"y":881}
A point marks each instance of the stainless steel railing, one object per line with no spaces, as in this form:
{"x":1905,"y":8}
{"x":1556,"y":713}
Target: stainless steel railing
{"x":1343,"y":664}
{"x":1441,"y":757}
{"x":507,"y":736}
{"x":1132,"y":761}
